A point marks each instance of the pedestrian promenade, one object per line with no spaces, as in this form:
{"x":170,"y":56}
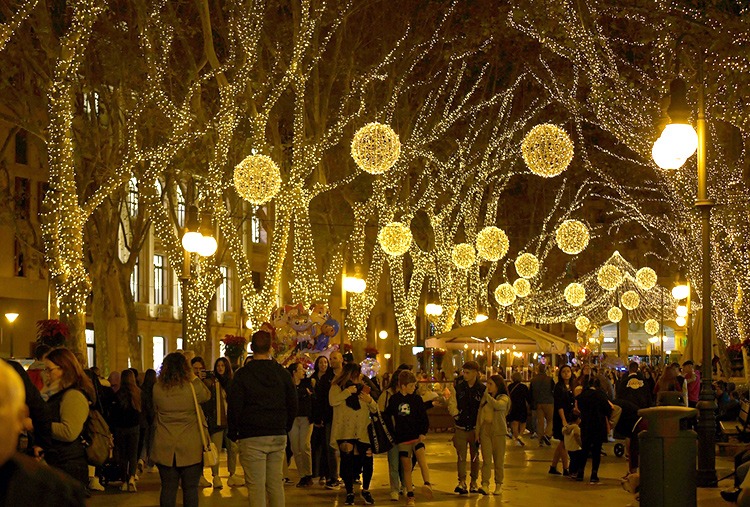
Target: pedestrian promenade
{"x":527,"y":483}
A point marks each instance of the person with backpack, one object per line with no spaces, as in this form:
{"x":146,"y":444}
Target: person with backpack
{"x":70,"y":394}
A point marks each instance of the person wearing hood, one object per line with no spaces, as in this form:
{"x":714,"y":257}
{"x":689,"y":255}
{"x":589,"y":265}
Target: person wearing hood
{"x":262,"y":405}
{"x":36,"y":369}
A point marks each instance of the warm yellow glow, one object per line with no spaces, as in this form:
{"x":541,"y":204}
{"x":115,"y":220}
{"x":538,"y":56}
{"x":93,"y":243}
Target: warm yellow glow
{"x":387,"y":356}
{"x":575,"y":294}
{"x":463,"y":255}
{"x":630,"y":300}
{"x":522,"y":287}
{"x":609,"y":277}
{"x":383,"y":334}
{"x":680,"y":321}
{"x":547,"y":150}
{"x":582,"y":323}
{"x":354,"y":284}
{"x":466,"y":346}
{"x":614,"y":314}
{"x":11,"y":316}
{"x":680,"y":140}
{"x":208,"y":246}
{"x":492,"y":243}
{"x":375,"y":148}
{"x":395,"y":239}
{"x":645,"y":278}
{"x":572,"y":237}
{"x":653,"y":339}
{"x":527,"y":265}
{"x":505,"y":295}
{"x":433,"y":309}
{"x":664,"y":158}
{"x":249,"y":323}
{"x":192,"y":241}
{"x":257,"y":179}
{"x":681,"y":291}
{"x":651,"y":326}
{"x":681,"y":311}
{"x":481,"y":317}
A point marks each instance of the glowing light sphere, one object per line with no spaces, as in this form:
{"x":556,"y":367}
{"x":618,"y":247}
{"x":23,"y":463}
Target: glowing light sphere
{"x":522,"y":287}
{"x":572,"y":237}
{"x":395,"y":239}
{"x":257,"y":179}
{"x":547,"y":150}
{"x":630,"y":300}
{"x":609,"y":277}
{"x":375,"y":148}
{"x":582,"y":323}
{"x":527,"y":265}
{"x":664,"y":157}
{"x":645,"y":278}
{"x":575,"y":294}
{"x":492,"y":243}
{"x":614,"y":314}
{"x":463,"y":255}
{"x":651,"y":326}
{"x":680,"y":321}
{"x":505,"y":295}
{"x":681,"y":310}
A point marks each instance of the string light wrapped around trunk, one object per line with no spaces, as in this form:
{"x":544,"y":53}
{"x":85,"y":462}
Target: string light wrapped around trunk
{"x":492,"y":243}
{"x":630,"y":300}
{"x":463,"y":255}
{"x":395,"y":239}
{"x":575,"y":294}
{"x":572,"y":237}
{"x":257,"y":179}
{"x":505,"y":295}
{"x":527,"y":265}
{"x":375,"y":148}
{"x":645,"y":278}
{"x":522,"y":287}
{"x":547,"y":150}
{"x":614,"y":314}
{"x":609,"y":277}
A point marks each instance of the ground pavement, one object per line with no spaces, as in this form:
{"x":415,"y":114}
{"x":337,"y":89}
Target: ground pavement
{"x":527,"y":483}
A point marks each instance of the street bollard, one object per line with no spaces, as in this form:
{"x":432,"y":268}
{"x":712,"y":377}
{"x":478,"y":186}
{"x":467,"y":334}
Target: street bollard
{"x":667,"y":458}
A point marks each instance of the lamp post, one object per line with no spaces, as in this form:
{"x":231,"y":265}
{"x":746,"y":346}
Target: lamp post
{"x":11,"y":316}
{"x":677,"y":143}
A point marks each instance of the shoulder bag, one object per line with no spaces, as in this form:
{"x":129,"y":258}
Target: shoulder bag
{"x":380,"y":437}
{"x":210,"y":452}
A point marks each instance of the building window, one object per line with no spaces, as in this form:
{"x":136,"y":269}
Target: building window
{"x":222,"y":301}
{"x":257,"y":280}
{"x":90,"y":348}
{"x":181,"y":207}
{"x":159,"y":352}
{"x":159,"y":279}
{"x":257,"y":232}
{"x":180,"y":343}
{"x":177,"y":290}
{"x":23,"y":198}
{"x":91,"y":104}
{"x":20,"y":262}
{"x":134,"y":279}
{"x":132,"y":199}
{"x":22,"y":147}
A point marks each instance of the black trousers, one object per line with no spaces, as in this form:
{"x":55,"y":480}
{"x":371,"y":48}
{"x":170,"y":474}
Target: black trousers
{"x":593,"y":447}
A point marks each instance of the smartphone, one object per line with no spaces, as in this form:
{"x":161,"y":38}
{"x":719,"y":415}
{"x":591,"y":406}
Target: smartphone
{"x":366,"y":389}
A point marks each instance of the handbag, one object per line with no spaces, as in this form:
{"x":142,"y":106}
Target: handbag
{"x":380,"y":437}
{"x":210,"y":452}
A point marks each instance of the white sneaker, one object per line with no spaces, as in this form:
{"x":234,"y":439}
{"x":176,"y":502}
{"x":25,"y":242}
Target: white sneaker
{"x":95,"y":485}
{"x":131,"y":485}
{"x":235,"y":481}
{"x":394,"y":496}
{"x":204,"y":482}
{"x":498,"y":491}
{"x":124,"y":487}
{"x":152,"y":469}
{"x":217,"y":483}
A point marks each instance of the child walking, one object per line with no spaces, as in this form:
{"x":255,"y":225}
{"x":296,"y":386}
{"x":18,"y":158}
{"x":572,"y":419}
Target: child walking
{"x":572,"y":438}
{"x":407,"y":415}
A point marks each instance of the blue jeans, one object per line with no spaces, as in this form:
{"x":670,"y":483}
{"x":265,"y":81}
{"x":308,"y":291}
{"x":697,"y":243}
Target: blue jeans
{"x":394,"y":469}
{"x":262,"y":459}
{"x":170,"y":480}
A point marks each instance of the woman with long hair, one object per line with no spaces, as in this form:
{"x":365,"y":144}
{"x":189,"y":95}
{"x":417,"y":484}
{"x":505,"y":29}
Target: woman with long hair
{"x":69,"y":394}
{"x":595,"y":412}
{"x":301,"y":432}
{"x":147,"y":409}
{"x":351,"y":404}
{"x":178,"y":447}
{"x":520,"y":399}
{"x":224,"y":374}
{"x":125,"y":414}
{"x":492,"y":430}
{"x":563,"y":410}
{"x":321,"y":381}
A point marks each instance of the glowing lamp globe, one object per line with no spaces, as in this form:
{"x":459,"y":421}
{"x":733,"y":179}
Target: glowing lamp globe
{"x":630,"y":300}
{"x":572,"y":237}
{"x":375,"y":148}
{"x":664,"y":157}
{"x":582,"y":323}
{"x":257,"y":179}
{"x":480,"y":317}
{"x":680,"y":321}
{"x":609,"y":277}
{"x":575,"y":294}
{"x":614,"y":314}
{"x":653,"y":340}
{"x":645,"y":278}
{"x":680,"y":139}
{"x":463,"y":255}
{"x":547,"y":150}
{"x":395,"y":239}
{"x":492,"y":243}
{"x":208,"y":246}
{"x":433,"y":309}
{"x":681,"y":311}
{"x":680,"y":292}
{"x":651,"y":326}
{"x":522,"y":287}
{"x":354,"y":284}
{"x":383,"y":334}
{"x":505,"y":295}
{"x":192,"y":241}
{"x":527,"y":265}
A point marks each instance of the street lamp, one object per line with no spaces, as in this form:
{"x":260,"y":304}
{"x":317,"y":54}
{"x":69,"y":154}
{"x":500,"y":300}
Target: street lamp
{"x":383,"y":334}
{"x":11,"y":316}
{"x":677,"y":143}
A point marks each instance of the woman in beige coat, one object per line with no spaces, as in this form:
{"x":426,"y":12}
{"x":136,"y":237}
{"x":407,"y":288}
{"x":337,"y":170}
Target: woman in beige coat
{"x":177,"y":448}
{"x":492,"y":430}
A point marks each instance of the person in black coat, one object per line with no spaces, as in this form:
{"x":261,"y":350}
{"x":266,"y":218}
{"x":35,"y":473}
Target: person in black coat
{"x":595,"y":412}
{"x":41,"y":434}
{"x":324,"y":465}
{"x":520,"y":399}
{"x":563,"y":410}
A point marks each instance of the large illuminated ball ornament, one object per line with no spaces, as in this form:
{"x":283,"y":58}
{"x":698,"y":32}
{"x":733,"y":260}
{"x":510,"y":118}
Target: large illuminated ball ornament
{"x":505,"y":295}
{"x":492,"y":243}
{"x":527,"y":265}
{"x":575,"y":294}
{"x":370,"y":367}
{"x":395,"y":239}
{"x":645,"y":278}
{"x":522,"y":287}
{"x":375,"y":148}
{"x":609,"y":277}
{"x":614,"y":314}
{"x":572,"y":237}
{"x":651,"y":326}
{"x":463,"y":255}
{"x":582,"y":323}
{"x":630,"y":300}
{"x":257,"y":179}
{"x":547,"y":150}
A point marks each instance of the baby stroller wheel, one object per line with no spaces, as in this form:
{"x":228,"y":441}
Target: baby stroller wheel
{"x":619,"y":450}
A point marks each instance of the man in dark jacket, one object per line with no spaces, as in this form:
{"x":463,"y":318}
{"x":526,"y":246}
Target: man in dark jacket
{"x":633,"y":388}
{"x":262,"y":404}
{"x":463,"y":405}
{"x":41,"y":436}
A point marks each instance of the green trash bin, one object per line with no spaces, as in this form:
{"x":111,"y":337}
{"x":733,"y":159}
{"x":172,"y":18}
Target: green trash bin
{"x":668,"y":458}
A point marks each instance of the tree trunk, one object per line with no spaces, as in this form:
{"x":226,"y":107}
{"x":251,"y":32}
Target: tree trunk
{"x":103,"y":314}
{"x":131,"y":319}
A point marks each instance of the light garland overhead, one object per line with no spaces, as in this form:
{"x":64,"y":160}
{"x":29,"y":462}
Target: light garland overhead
{"x":645,"y":278}
{"x":375,"y":148}
{"x":630,"y":300}
{"x":609,"y":277}
{"x":527,"y":265}
{"x":395,"y":238}
{"x":575,"y":294}
{"x":463,"y":255}
{"x":572,"y":237}
{"x":651,"y":326}
{"x":492,"y":243}
{"x":547,"y":150}
{"x":614,"y":314}
{"x":522,"y":287}
{"x":257,"y":179}
{"x":505,"y":295}
{"x":582,"y":323}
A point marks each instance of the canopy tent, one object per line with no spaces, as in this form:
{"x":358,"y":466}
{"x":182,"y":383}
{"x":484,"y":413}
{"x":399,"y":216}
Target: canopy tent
{"x":500,"y":334}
